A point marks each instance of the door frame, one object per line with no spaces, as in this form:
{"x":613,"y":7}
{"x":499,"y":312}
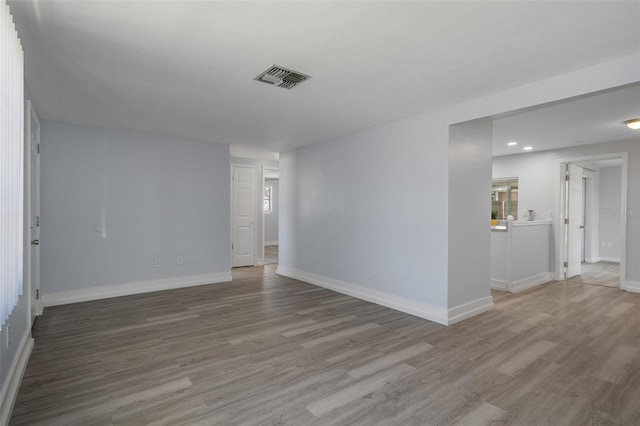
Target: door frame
{"x":264,"y":183}
{"x":583,"y":249}
{"x":231,"y":215}
{"x":33,"y":283}
{"x":560,"y":208}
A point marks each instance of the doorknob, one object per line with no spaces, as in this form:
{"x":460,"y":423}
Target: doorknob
{"x":35,"y":242}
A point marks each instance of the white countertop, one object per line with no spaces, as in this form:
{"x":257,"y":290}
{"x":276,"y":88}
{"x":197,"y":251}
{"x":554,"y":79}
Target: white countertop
{"x":531,"y":222}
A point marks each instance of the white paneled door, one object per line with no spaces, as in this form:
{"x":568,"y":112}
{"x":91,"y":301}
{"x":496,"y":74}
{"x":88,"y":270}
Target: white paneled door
{"x":575,"y":215}
{"x":243,"y":212}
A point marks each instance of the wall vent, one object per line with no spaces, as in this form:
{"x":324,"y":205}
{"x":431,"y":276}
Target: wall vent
{"x":282,"y":77}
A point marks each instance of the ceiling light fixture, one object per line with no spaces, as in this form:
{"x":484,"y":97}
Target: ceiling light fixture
{"x":527,"y":148}
{"x":634,"y":123}
{"x":512,"y":143}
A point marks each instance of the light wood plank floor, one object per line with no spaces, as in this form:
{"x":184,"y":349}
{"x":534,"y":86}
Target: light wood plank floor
{"x":599,"y":273}
{"x":271,"y":254}
{"x":271,"y":350}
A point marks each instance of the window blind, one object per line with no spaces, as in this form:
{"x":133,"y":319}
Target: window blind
{"x":11,"y":164}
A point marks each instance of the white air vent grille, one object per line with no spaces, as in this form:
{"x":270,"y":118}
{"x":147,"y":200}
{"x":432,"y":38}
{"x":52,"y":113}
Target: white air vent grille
{"x":282,"y":77}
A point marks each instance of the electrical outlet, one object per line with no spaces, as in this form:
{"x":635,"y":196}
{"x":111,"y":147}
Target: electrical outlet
{"x":179,"y":260}
{"x":156,"y":262}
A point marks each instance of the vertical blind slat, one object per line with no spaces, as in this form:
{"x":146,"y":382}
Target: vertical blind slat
{"x":11,"y":165}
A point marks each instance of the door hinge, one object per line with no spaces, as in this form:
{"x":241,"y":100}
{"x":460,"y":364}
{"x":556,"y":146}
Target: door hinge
{"x":37,"y":220}
{"x":566,"y":221}
{"x":566,"y":264}
{"x":37,"y":294}
{"x":231,"y":246}
{"x":38,"y":148}
{"x":567,"y":177}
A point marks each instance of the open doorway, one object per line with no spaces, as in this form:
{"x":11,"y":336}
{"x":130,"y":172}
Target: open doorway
{"x":591,"y":248}
{"x":32,"y":185}
{"x":270,"y":215}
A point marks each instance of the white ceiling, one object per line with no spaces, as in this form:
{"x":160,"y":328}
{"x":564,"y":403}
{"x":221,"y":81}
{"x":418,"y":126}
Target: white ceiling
{"x":186,"y":68}
{"x":586,"y":120}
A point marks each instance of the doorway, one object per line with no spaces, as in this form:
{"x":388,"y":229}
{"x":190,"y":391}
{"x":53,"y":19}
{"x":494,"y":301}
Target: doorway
{"x":591,"y":246}
{"x":270,"y":215}
{"x":32,"y":175}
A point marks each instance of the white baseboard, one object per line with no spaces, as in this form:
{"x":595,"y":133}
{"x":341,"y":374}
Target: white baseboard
{"x":610,"y":259}
{"x":531,"y":281}
{"x":499,"y":285}
{"x":633,"y":286}
{"x":412,"y":307}
{"x":592,"y":260}
{"x":271,"y":243}
{"x":469,"y":309}
{"x":14,"y":378}
{"x":117,"y":290}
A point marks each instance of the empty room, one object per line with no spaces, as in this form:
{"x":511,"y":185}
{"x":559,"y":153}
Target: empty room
{"x":319,"y":213}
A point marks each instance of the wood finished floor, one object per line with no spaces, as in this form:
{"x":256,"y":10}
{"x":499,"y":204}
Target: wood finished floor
{"x":271,"y":254}
{"x":272,"y":350}
{"x":599,"y":273}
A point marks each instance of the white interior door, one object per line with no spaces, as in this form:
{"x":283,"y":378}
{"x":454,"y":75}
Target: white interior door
{"x":243,"y":213}
{"x":574,"y":230}
{"x":33,"y":126}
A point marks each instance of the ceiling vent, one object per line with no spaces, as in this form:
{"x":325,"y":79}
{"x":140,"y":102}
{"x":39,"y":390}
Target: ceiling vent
{"x":282,"y":77}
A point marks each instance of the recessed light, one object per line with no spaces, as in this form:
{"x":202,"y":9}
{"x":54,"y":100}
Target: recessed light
{"x":512,"y":143}
{"x":527,"y":148}
{"x":634,"y":123}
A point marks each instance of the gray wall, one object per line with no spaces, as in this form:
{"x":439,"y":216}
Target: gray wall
{"x":271,"y":221}
{"x":113,"y":201}
{"x":359,"y":209}
{"x":372,"y":208}
{"x":470,"y":147}
{"x":610,"y":221}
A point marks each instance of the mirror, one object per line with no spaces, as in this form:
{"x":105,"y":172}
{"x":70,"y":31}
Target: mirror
{"x":504,"y":198}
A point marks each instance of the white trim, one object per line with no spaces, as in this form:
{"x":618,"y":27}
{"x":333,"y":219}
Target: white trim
{"x":520,"y":223}
{"x":412,"y":307}
{"x":610,"y":259}
{"x":592,"y":259}
{"x":117,"y":290}
{"x":633,"y":286}
{"x":560,"y":245}
{"x":14,"y":377}
{"x":271,"y":243}
{"x":531,"y":281}
{"x":469,"y":309}
{"x":499,"y":285}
